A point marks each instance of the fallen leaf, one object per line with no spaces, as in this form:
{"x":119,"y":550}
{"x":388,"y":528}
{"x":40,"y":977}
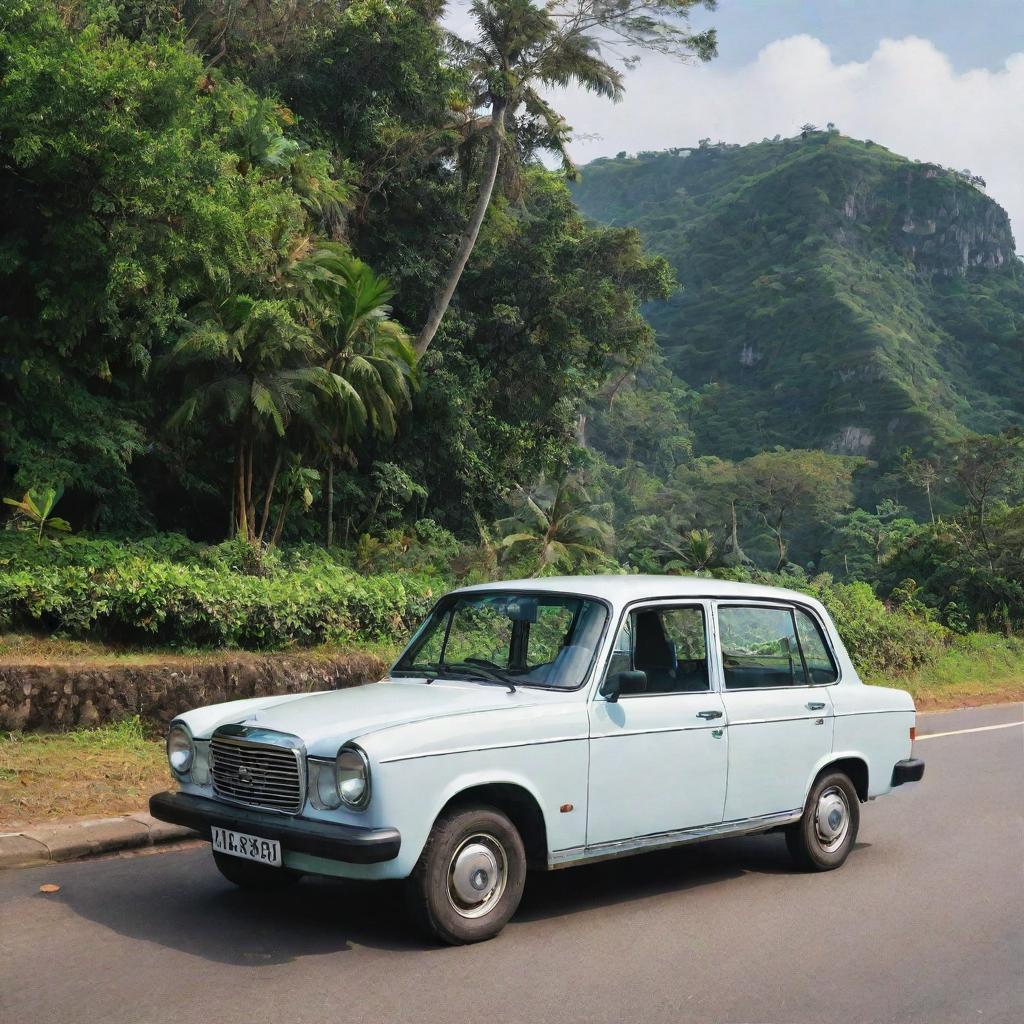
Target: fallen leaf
{"x":49,"y":887}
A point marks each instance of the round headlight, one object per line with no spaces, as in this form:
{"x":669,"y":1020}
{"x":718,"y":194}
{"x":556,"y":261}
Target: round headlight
{"x":180,"y":749}
{"x":353,"y":777}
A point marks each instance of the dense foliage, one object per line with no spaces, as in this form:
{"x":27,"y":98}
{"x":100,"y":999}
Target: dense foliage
{"x":296,"y":327}
{"x":171,"y":592}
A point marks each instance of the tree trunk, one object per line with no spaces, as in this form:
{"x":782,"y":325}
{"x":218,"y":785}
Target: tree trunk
{"x":266,"y":500}
{"x":931,"y":511}
{"x":782,"y":552}
{"x":250,"y":504}
{"x":330,"y":500}
{"x":281,"y":517}
{"x":469,"y":236}
{"x":242,"y":525}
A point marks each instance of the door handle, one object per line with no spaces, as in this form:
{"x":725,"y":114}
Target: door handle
{"x":708,"y":715}
{"x":815,"y":705}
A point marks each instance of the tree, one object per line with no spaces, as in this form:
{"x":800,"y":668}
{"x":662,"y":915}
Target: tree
{"x":252,"y":362}
{"x":696,"y":552}
{"x":549,"y":310}
{"x":562,"y":533}
{"x":786,"y":486}
{"x":521,"y":48}
{"x":367,"y":354}
{"x":864,"y":540}
{"x":923,"y":473}
{"x":989,"y":466}
{"x":135,"y":185}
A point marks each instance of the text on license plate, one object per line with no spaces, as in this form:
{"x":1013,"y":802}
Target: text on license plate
{"x":238,"y":844}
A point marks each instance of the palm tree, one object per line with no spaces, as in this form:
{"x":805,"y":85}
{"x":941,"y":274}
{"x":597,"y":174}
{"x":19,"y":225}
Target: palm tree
{"x":521,"y":48}
{"x":367,"y":354}
{"x":254,"y":362}
{"x":563,"y":533}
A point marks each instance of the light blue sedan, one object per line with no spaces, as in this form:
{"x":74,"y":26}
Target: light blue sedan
{"x":546,"y":723}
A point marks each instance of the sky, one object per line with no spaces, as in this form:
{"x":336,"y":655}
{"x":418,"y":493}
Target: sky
{"x":934,"y":80}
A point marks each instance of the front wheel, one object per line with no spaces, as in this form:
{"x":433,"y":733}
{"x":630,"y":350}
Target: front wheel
{"x":469,"y":879}
{"x":822,"y":839}
{"x":247,"y":874}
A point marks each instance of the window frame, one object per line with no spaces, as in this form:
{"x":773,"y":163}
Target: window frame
{"x":826,"y":643}
{"x":710,"y":644}
{"x":792,"y":607}
{"x":595,"y":658}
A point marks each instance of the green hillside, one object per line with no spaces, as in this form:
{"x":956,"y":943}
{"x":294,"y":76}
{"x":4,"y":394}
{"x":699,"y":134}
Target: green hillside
{"x":834,"y":294}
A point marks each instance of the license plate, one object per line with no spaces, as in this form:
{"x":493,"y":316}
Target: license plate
{"x":238,"y":844}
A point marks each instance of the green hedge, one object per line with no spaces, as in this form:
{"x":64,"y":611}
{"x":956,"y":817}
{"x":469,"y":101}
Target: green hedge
{"x":124,"y":592}
{"x":168,"y":590}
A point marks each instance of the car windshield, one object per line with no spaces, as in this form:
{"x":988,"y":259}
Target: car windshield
{"x":511,"y":638}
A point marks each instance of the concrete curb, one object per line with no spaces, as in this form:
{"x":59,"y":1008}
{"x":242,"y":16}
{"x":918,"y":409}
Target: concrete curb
{"x":69,"y":840}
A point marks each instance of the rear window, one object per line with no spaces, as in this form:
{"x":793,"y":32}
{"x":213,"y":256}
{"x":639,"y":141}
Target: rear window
{"x":759,"y":648}
{"x":820,"y":665}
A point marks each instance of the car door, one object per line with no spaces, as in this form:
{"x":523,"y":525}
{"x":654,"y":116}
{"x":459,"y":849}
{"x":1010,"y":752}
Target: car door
{"x":658,"y":757}
{"x":779,"y":713}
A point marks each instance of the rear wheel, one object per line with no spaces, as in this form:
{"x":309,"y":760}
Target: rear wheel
{"x":247,"y":874}
{"x":823,"y":837}
{"x":469,"y":878}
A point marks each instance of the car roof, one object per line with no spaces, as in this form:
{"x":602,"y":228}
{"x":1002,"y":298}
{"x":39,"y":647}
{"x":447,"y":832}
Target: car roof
{"x":622,"y":590}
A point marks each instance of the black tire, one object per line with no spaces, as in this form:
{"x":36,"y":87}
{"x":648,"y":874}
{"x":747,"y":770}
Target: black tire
{"x":832,"y":808}
{"x":493,"y":863}
{"x":247,"y":874}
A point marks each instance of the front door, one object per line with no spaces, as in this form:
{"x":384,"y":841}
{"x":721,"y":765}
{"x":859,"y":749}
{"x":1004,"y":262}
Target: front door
{"x":659,"y":755}
{"x":779,"y":713}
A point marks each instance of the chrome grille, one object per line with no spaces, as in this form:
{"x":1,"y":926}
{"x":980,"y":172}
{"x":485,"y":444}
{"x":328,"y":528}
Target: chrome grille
{"x":257,"y":774}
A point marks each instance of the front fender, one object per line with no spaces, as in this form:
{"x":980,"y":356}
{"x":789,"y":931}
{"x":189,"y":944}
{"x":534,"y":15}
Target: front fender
{"x":413,"y":792}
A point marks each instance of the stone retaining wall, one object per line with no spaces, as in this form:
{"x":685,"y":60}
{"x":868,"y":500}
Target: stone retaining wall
{"x":65,"y":696}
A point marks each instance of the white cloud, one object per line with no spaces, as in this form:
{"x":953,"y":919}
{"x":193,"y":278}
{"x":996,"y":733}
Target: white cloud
{"x":905,"y":96}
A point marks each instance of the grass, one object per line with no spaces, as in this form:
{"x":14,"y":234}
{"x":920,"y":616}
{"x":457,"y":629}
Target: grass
{"x":87,"y":773}
{"x":982,"y":668}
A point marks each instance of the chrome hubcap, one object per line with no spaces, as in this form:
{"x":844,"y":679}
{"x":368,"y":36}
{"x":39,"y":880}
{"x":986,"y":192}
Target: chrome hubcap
{"x":477,"y":875}
{"x":832,"y":819}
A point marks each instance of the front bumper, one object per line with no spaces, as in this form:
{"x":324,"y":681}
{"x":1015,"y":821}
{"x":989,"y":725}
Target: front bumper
{"x":353,"y":844}
{"x":910,"y":770}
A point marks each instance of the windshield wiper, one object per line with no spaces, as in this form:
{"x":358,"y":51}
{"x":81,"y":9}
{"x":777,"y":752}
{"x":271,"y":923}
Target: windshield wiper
{"x":483,"y":673}
{"x":459,"y":669}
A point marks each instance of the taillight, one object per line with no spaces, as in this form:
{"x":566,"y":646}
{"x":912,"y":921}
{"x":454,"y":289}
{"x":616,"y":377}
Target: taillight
{"x":913,"y":733}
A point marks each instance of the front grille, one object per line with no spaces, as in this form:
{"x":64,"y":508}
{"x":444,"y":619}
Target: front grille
{"x":257,"y":774}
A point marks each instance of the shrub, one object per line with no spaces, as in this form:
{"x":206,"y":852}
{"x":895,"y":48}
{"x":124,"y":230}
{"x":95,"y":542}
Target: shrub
{"x":124,"y":592}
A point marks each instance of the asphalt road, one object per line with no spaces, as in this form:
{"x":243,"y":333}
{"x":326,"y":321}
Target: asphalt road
{"x":924,"y":923}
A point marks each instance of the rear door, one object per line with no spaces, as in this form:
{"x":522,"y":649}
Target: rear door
{"x":658,"y":757}
{"x":778,"y":707}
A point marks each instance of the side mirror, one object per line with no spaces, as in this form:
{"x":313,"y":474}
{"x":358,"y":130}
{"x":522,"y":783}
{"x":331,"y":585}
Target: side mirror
{"x":623,"y":682}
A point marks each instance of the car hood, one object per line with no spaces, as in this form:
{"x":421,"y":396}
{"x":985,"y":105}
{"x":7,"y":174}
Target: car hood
{"x":325,"y":720}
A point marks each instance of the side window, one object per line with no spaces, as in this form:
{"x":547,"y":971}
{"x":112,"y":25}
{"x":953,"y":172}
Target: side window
{"x":820,"y":666}
{"x":669,"y":645}
{"x":759,"y":648}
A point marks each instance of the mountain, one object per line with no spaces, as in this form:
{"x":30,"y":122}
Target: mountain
{"x":834,"y":294}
